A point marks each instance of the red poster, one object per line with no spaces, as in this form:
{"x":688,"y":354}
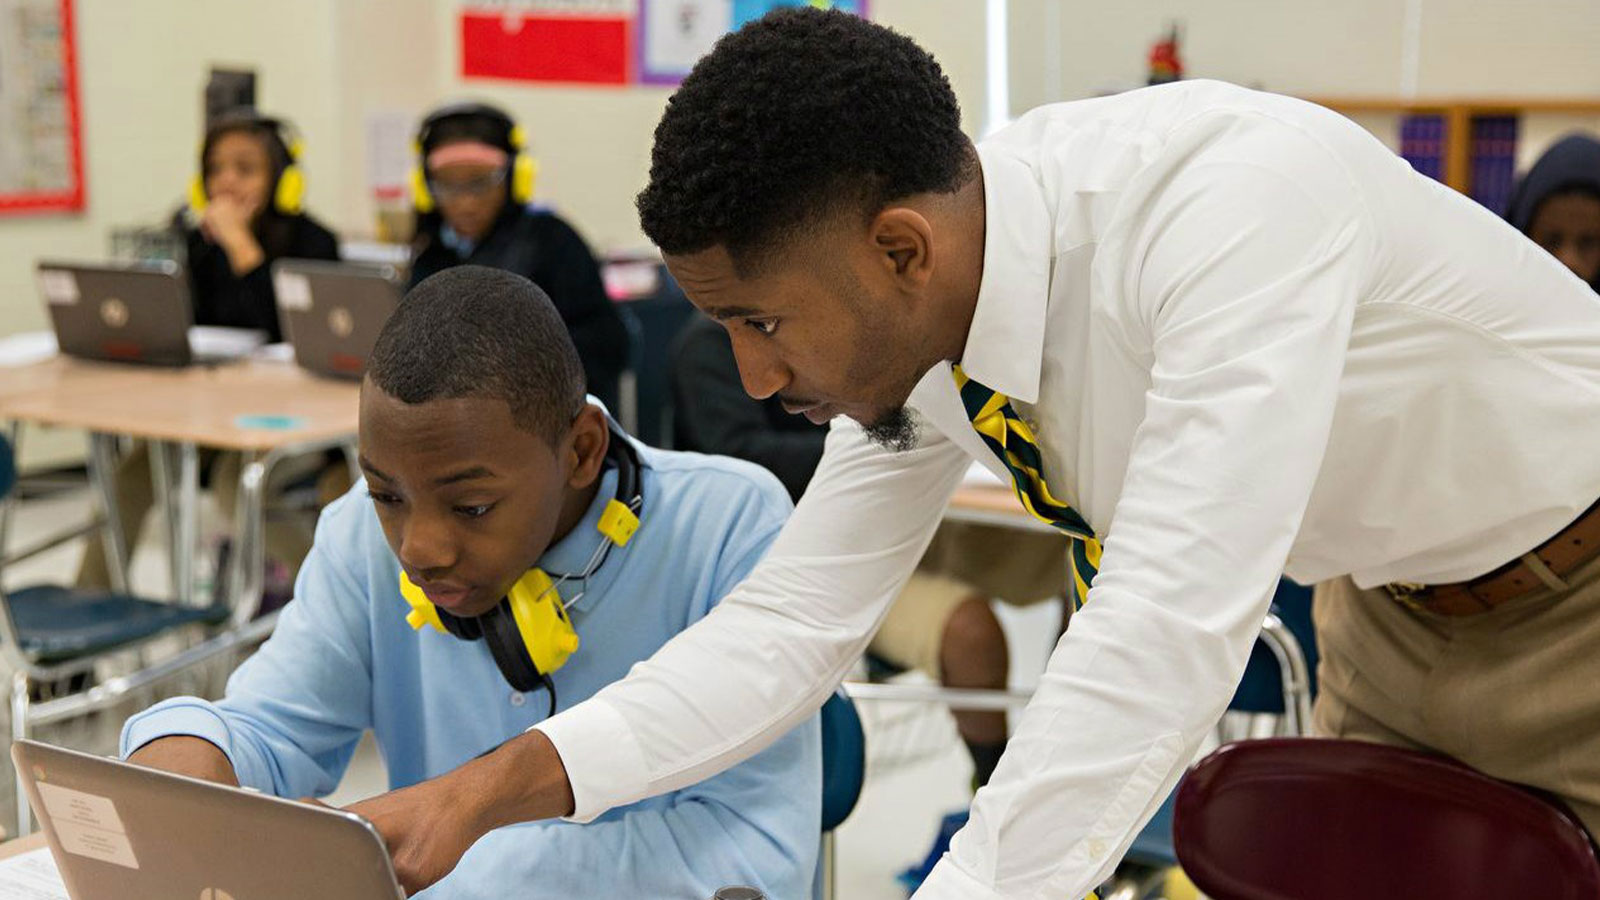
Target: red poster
{"x":547,"y":46}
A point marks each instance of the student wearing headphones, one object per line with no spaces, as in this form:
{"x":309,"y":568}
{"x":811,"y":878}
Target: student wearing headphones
{"x":472,"y":188}
{"x":245,"y":209}
{"x":517,"y":554}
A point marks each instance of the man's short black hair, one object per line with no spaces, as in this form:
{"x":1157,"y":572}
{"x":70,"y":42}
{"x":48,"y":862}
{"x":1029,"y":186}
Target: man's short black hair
{"x":473,"y":331}
{"x":799,"y":115}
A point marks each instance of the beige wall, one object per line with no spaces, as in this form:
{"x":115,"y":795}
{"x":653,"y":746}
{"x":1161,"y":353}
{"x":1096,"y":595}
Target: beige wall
{"x":329,"y":64}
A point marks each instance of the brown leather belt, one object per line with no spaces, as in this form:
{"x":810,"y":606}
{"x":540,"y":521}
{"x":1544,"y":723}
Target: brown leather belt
{"x":1543,"y":567}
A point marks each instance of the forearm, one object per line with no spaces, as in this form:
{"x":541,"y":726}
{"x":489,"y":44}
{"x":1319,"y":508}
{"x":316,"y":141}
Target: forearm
{"x":185,"y":755}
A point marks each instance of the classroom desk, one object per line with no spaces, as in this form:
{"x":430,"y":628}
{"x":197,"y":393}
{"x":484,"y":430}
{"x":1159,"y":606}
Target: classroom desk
{"x":22,"y":845}
{"x":992,"y":504}
{"x":265,"y":409}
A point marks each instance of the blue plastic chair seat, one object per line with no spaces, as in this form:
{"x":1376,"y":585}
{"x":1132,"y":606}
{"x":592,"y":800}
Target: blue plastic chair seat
{"x":844,"y":760}
{"x":55,"y":624}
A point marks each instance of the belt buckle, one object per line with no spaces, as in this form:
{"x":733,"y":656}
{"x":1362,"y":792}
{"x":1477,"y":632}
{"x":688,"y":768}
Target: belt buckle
{"x":1410,"y":594}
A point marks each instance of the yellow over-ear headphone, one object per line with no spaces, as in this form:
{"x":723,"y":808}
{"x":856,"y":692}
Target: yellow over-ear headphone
{"x":289,"y":193}
{"x":524,"y":169}
{"x":529,"y":633}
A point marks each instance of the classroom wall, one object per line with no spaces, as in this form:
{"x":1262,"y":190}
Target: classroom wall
{"x":330,"y":64}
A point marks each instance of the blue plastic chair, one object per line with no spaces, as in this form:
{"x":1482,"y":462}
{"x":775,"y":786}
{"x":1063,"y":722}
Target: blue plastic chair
{"x":55,"y":635}
{"x":844,"y":770}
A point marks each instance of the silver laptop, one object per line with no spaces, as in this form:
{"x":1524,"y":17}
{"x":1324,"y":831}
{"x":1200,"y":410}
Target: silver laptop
{"x":332,"y":312}
{"x":124,"y":832}
{"x":133,"y":312}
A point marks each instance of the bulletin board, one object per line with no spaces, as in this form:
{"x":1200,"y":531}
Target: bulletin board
{"x":573,"y":41}
{"x":41,"y":155}
{"x":674,"y":34}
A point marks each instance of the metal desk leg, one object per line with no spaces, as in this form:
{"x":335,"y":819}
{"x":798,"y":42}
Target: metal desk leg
{"x":103,"y":475}
{"x":250,"y":556}
{"x":188,"y":520}
{"x":19,"y":730}
{"x":161,"y":480}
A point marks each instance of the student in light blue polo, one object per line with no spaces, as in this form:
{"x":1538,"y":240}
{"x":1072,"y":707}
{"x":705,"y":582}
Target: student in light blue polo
{"x":509,"y":552}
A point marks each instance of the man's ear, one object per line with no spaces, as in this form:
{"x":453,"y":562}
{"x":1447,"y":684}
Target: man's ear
{"x":584,"y":453}
{"x":903,"y":239}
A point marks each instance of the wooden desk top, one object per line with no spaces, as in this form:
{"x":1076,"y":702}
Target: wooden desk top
{"x":22,"y":845}
{"x":205,"y":405}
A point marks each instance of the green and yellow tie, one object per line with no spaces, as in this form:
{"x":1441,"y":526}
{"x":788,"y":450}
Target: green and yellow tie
{"x":1010,"y":439}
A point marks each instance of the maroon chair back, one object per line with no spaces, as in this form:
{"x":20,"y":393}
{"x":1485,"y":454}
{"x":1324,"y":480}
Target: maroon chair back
{"x":1303,"y":819}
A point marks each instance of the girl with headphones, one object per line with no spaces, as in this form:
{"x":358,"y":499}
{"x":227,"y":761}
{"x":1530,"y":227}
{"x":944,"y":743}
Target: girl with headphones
{"x":471,"y":188}
{"x":246,"y":209}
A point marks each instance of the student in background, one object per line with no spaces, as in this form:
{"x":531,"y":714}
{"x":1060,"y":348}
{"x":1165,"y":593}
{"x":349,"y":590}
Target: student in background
{"x":1557,"y":204}
{"x":472,"y":189}
{"x":246,"y":209}
{"x":488,"y":473}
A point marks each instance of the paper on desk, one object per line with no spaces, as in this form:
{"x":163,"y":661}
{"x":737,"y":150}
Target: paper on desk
{"x":978,"y":475}
{"x":27,"y":348}
{"x":31,"y":876}
{"x":217,"y":342}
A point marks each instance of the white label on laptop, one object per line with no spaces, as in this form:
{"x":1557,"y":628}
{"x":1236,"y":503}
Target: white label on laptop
{"x":293,"y":289}
{"x":59,"y":288}
{"x":89,"y":810}
{"x":87,"y":824}
{"x":106,"y":846}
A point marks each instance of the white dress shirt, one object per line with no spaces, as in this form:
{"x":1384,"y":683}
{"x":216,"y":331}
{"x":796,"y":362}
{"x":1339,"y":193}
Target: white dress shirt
{"x":1254,"y":340}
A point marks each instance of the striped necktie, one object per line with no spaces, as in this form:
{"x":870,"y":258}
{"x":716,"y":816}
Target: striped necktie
{"x":1010,"y":439}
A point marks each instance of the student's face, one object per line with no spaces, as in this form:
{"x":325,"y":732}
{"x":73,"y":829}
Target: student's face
{"x":240,"y":169}
{"x":470,"y":196}
{"x":468,"y":500}
{"x":825,"y":329}
{"x":1568,"y":225}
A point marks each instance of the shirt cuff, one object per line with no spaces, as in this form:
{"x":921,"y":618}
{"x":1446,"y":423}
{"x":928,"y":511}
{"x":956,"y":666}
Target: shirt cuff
{"x":171,"y":719}
{"x":605,"y":764}
{"x":948,"y":882}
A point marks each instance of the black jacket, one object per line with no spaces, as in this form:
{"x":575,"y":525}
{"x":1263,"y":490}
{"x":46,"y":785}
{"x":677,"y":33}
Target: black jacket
{"x":544,"y":249}
{"x":247,"y":301}
{"x":712,"y":413}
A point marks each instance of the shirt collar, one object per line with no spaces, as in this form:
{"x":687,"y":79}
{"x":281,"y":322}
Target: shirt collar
{"x":1005,"y":346}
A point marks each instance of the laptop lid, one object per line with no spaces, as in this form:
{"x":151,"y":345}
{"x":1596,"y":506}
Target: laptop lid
{"x":124,"y":832}
{"x":332,"y":312}
{"x":122,"y":312}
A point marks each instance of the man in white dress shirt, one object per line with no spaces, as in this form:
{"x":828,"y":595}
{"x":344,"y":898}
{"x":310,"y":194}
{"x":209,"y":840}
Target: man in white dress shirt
{"x":1234,"y":335}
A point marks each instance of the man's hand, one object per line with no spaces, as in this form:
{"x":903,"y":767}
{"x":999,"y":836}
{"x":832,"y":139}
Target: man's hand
{"x":187,"y":756}
{"x":429,"y":826}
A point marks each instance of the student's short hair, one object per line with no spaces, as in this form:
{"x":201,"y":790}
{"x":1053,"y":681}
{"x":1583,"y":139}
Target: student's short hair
{"x":797,"y":116}
{"x":473,"y":331}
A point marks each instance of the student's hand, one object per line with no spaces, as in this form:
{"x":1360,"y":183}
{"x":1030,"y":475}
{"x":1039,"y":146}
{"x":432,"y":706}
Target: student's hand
{"x":425,"y":829}
{"x":429,"y":826}
{"x":226,"y":223}
{"x":189,"y":756}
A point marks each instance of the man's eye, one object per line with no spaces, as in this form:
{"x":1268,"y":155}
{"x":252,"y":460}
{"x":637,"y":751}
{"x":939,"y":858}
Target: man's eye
{"x":383,"y":499}
{"x":474,"y":512}
{"x":763,"y":326}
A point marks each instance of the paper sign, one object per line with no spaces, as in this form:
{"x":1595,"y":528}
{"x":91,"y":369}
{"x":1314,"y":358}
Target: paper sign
{"x":59,"y":288}
{"x":293,"y":289}
{"x":31,"y":876}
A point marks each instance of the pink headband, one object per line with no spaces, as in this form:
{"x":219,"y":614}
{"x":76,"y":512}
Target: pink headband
{"x":470,"y":152}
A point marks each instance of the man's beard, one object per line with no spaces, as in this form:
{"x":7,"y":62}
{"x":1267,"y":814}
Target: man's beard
{"x":895,"y":430}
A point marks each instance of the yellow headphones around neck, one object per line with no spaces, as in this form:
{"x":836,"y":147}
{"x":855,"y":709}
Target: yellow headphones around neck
{"x":529,"y":633}
{"x":524,"y":168}
{"x":289,"y":193}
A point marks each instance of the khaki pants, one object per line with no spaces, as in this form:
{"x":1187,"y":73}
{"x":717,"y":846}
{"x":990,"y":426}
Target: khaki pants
{"x":1513,"y":692}
{"x":964,"y":560}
